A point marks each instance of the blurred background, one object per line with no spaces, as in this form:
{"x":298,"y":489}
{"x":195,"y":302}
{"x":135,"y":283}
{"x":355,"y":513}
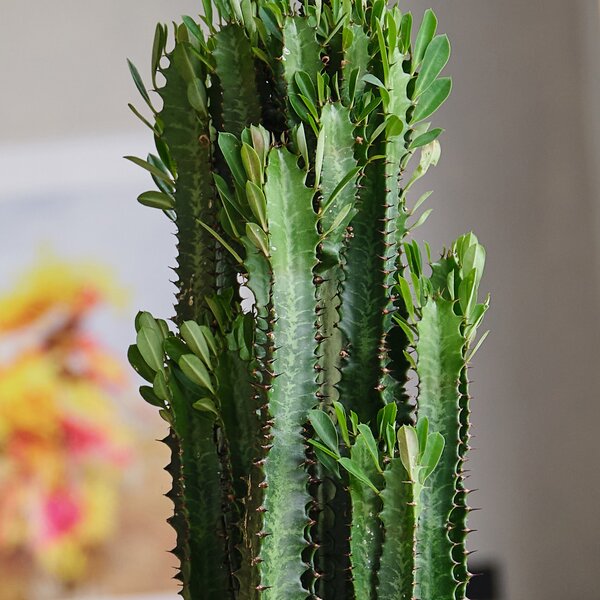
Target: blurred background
{"x":79,"y":256}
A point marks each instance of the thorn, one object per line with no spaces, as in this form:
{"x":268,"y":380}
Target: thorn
{"x":262,"y":534}
{"x":256,"y":561}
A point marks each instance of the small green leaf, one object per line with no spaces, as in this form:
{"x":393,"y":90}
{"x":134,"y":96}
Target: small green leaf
{"x":369,"y":108}
{"x":193,"y":368}
{"x":436,"y":58}
{"x":426,"y":138}
{"x":424,"y":216}
{"x":340,"y":218}
{"x":371,"y":443}
{"x":139,"y":84}
{"x":370,"y":78}
{"x":206,"y":405}
{"x":404,"y":325}
{"x":194,"y":338}
{"x":388,"y":417}
{"x":158,"y":48}
{"x":319,"y":155}
{"x":209,"y":337}
{"x":405,"y":32}
{"x":424,"y":37}
{"x":175,"y":348}
{"x":302,"y":146}
{"x":408,"y":444}
{"x":474,"y":258}
{"x":393,"y":126}
{"x":258,"y":203}
{"x":158,"y":173}
{"x":432,"y":99}
{"x":148,"y":394}
{"x":258,"y":237}
{"x":193,"y":28}
{"x":357,"y":472}
{"x":225,"y":245}
{"x":420,"y":201}
{"x":472,"y":353}
{"x":252,"y":164}
{"x":161,"y":389}
{"x":410,"y":360}
{"x":145,"y":319}
{"x":141,"y":117}
{"x":390,"y":440}
{"x":422,"y":429}
{"x":157,"y":200}
{"x":149,"y":343}
{"x":305,"y":85}
{"x":196,"y":94}
{"x":312,"y":109}
{"x":431,"y":456}
{"x":323,"y":448}
{"x":140,"y":366}
{"x":340,"y":413}
{"x":350,"y":176}
{"x":328,"y":461}
{"x":230,"y":147}
{"x":407,"y":297}
{"x":467,"y":293}
{"x":354,"y":421}
{"x":325,"y":429}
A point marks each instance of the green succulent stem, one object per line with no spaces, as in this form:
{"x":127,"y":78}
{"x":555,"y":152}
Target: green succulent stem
{"x":302,"y":462}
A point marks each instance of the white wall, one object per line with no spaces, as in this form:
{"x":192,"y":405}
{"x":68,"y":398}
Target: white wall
{"x":520,"y":167}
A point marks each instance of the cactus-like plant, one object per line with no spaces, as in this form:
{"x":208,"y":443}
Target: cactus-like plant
{"x":284,"y":149}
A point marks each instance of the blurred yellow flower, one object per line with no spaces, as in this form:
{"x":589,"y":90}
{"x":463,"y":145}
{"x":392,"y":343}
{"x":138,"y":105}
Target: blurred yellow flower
{"x":62,"y":447}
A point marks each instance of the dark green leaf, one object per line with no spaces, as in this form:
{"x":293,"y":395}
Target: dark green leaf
{"x":325,"y":429}
{"x":370,"y":78}
{"x":150,"y":168}
{"x":194,"y":338}
{"x":408,"y":444}
{"x":390,"y":440}
{"x":328,"y":461}
{"x":357,"y":472}
{"x":426,"y":138}
{"x":424,"y":37}
{"x":206,"y":405}
{"x":140,"y":366}
{"x":175,"y":348}
{"x":193,"y":368}
{"x":323,"y":448}
{"x":431,"y":456}
{"x":193,"y":28}
{"x":225,"y":245}
{"x":435,"y":60}
{"x":258,"y":203}
{"x":161,"y":389}
{"x":139,"y":84}
{"x":252,"y":164}
{"x":422,"y":428}
{"x":230,"y":147}
{"x":340,"y":413}
{"x":147,"y":393}
{"x":157,"y":200}
{"x":432,"y":99}
{"x":196,"y":93}
{"x":371,"y":444}
{"x":405,"y":32}
{"x":258,"y":237}
{"x":149,"y":343}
